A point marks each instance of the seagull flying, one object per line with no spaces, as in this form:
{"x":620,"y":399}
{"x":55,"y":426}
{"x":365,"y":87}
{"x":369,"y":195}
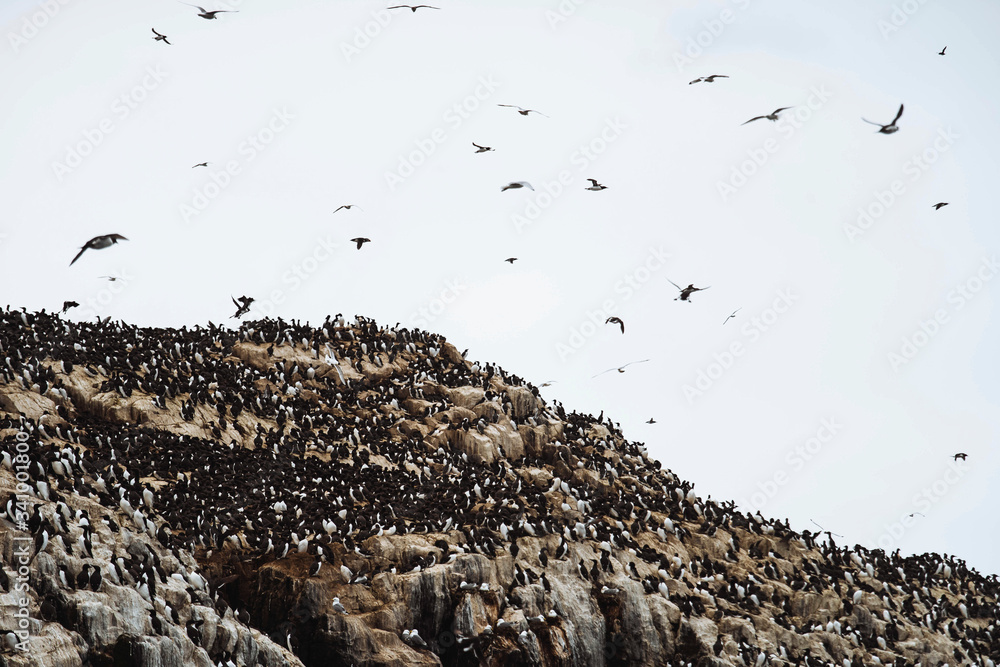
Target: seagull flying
{"x":686,"y":292}
{"x":159,"y":37}
{"x":482,"y":149}
{"x":413,"y":8}
{"x":710,"y":78}
{"x":732,"y":315}
{"x":522,"y":111}
{"x":360,"y":240}
{"x":616,"y":320}
{"x":98,"y":243}
{"x":205,"y":14}
{"x":891,"y":127}
{"x":201,"y":164}
{"x":620,"y":369}
{"x":773,"y":116}
{"x":517,"y":184}
{"x":348,"y":207}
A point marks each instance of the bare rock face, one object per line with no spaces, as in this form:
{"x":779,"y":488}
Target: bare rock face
{"x":351,"y":494}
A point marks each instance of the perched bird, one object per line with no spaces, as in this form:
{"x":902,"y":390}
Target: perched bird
{"x":201,"y":164}
{"x":481,"y":149}
{"x":686,"y":292}
{"x":99,"y":243}
{"x":616,"y":320}
{"x":348,"y":207}
{"x":360,"y":240}
{"x":69,"y":304}
{"x":205,"y":14}
{"x":941,"y":52}
{"x":620,"y":369}
{"x":732,"y":315}
{"x":413,"y":8}
{"x":709,"y":79}
{"x":338,"y":607}
{"x":159,"y":37}
{"x":523,"y":112}
{"x":773,"y":116}
{"x":891,"y":127}
{"x":517,"y":184}
{"x":960,"y":455}
{"x":511,"y":260}
{"x":242,"y":305}
{"x":595,"y":186}
{"x":939,"y":205}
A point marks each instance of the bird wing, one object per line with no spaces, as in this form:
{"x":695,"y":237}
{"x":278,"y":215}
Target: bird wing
{"x":80,"y":253}
{"x":633,"y":362}
{"x":695,"y":81}
{"x":513,"y":106}
{"x":777,"y":111}
{"x":117,"y":237}
{"x":873,"y":123}
{"x":592,"y":181}
{"x":340,"y":207}
{"x":156,"y":33}
{"x":898,"y":114}
{"x":754,"y":118}
{"x":538,"y":112}
{"x":675,"y":284}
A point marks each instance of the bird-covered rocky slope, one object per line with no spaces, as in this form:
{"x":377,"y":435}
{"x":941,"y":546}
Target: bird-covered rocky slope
{"x":284,"y":494}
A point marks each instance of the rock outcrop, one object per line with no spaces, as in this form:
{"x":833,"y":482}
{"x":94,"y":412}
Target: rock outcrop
{"x":353,"y":494}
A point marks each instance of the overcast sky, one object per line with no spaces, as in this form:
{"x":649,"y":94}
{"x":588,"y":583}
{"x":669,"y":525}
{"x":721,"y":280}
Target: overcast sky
{"x":864,"y":351}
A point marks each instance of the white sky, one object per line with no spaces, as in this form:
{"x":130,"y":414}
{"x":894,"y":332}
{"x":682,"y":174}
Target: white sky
{"x":332,"y":114}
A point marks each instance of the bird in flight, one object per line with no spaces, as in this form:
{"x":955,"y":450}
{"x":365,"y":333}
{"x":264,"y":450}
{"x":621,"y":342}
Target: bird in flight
{"x":205,"y":14}
{"x":960,"y":455}
{"x":111,"y":279}
{"x":69,"y":304}
{"x":242,"y":305}
{"x":710,"y":79}
{"x":620,"y":369}
{"x":773,"y":116}
{"x":360,"y":240}
{"x":522,"y":111}
{"x":482,"y":149}
{"x":891,"y":127}
{"x":915,"y":513}
{"x":615,"y":320}
{"x":733,"y":314}
{"x":159,"y":37}
{"x":98,"y":243}
{"x":941,"y":53}
{"x":548,"y":384}
{"x":201,"y":164}
{"x":348,"y":207}
{"x":511,"y":260}
{"x":651,"y":421}
{"x":517,"y":184}
{"x":413,"y":8}
{"x":595,"y":186}
{"x":940,"y":204}
{"x":686,"y":292}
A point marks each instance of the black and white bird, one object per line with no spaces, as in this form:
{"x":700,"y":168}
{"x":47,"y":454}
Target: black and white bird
{"x":621,"y":369}
{"x":360,"y":240}
{"x":338,"y":607}
{"x":69,"y":304}
{"x":773,"y":116}
{"x":891,"y":127}
{"x":242,"y":305}
{"x":159,"y":37}
{"x":595,"y":186}
{"x":481,"y":149}
{"x":413,"y":8}
{"x":686,"y":292}
{"x":205,"y":14}
{"x":99,"y":243}
{"x":615,"y":320}
{"x":710,"y":78}
{"x":522,"y":111}
{"x":514,"y":185}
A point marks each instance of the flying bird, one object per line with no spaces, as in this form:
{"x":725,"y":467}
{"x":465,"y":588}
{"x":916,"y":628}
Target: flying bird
{"x":940,"y":204}
{"x":511,"y":260}
{"x":205,"y":14}
{"x":482,"y":149}
{"x":686,"y":292}
{"x":360,"y":240}
{"x":348,"y":207}
{"x":242,"y":305}
{"x":915,"y":513}
{"x":111,"y":279}
{"x":620,"y":369}
{"x":960,"y":455}
{"x":891,"y":127}
{"x":413,"y":8}
{"x":69,"y":304}
{"x":773,"y":116}
{"x":517,"y":184}
{"x":159,"y":37}
{"x":98,"y":243}
{"x":651,"y":421}
{"x":595,"y":186}
{"x":941,"y":52}
{"x":710,"y":79}
{"x":522,"y":111}
{"x":201,"y":164}
{"x":733,"y":314}
{"x":616,"y":320}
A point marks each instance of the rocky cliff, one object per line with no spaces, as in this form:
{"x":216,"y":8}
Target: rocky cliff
{"x":284,"y":494}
